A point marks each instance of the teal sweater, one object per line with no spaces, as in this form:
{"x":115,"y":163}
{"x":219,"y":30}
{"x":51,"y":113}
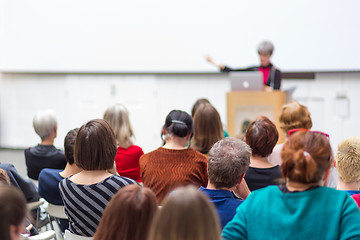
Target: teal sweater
{"x":320,"y":213}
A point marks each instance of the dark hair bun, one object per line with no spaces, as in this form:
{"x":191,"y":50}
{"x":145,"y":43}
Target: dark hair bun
{"x":179,"y":123}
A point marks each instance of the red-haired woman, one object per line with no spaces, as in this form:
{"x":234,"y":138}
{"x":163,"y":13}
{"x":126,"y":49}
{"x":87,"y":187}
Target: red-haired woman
{"x":301,"y":208}
{"x":261,"y":136}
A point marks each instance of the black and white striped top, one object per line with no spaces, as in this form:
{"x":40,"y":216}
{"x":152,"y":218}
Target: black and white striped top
{"x":85,"y":204}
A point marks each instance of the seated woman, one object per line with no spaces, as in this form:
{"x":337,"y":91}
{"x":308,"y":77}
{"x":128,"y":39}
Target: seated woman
{"x":86,"y":194}
{"x":207,"y":128}
{"x":301,"y":208}
{"x":186,"y":214}
{"x":128,"y":215}
{"x":12,"y":212}
{"x":200,"y":102}
{"x":293,"y":116}
{"x":128,"y":154}
{"x":44,"y":155}
{"x":261,"y":136}
{"x":173,"y":164}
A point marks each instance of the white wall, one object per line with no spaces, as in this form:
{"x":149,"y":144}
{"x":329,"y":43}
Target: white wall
{"x":173,"y":36}
{"x":79,"y":98}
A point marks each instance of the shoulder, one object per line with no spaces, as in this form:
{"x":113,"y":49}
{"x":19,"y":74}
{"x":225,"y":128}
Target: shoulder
{"x":121,"y":181}
{"x":197,"y":156}
{"x":135,"y":149}
{"x":47,"y":172}
{"x":7,"y":167}
{"x":264,"y":193}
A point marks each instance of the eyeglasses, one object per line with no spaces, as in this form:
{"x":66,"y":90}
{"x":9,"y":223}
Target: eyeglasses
{"x":307,"y":130}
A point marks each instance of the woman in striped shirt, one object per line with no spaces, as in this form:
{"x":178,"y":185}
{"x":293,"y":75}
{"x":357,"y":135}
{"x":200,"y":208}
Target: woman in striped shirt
{"x":87,"y":193}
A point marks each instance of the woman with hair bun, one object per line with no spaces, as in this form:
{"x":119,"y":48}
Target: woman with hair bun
{"x":301,"y":208}
{"x":173,"y":164}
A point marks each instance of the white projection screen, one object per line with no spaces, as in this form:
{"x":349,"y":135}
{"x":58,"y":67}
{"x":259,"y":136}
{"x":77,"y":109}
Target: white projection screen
{"x":151,"y":36}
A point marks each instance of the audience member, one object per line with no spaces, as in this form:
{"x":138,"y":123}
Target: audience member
{"x":261,"y":136}
{"x":128,"y":154}
{"x":293,"y":116}
{"x":4,"y":177}
{"x":302,"y":207}
{"x":207,"y":128}
{"x":128,"y":215}
{"x":87,"y":193}
{"x":49,"y":178}
{"x":227,"y":163}
{"x":27,"y":187}
{"x":186,"y":214}
{"x":174,"y":165}
{"x":347,"y":160}
{"x":44,"y":155}
{"x":199,"y":102}
{"x":12,"y":212}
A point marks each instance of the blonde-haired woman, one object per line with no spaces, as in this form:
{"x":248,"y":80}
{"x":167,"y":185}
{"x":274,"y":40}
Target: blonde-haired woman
{"x":186,"y":214}
{"x":128,"y":154}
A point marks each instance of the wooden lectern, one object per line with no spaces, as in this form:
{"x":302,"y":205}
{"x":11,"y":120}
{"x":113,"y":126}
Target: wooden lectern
{"x":244,"y":106}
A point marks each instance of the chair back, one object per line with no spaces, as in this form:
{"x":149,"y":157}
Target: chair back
{"x":71,"y":236}
{"x":57,"y":211}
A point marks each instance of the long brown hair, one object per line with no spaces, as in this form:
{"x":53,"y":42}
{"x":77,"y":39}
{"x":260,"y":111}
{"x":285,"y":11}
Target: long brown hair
{"x":186,"y":214}
{"x":128,"y":215}
{"x":207,"y":128}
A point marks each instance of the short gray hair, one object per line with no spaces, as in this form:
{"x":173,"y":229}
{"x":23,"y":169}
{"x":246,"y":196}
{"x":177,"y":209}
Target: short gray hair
{"x":228,"y":159}
{"x":44,"y":123}
{"x":266,"y":47}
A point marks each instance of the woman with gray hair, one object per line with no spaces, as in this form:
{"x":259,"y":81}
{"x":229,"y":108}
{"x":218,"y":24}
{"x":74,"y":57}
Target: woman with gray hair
{"x":44,"y":155}
{"x":271,"y":75}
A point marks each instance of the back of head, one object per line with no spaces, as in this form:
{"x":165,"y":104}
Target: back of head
{"x":305,"y":157}
{"x":69,"y":143}
{"x":266,"y":47}
{"x":118,"y":118}
{"x":186,"y":214}
{"x":347,"y":159}
{"x":198,"y":102}
{"x":178,"y":123}
{"x":207,"y":128}
{"x":95,"y":146}
{"x":294,"y":115}
{"x":262,"y":136}
{"x":128,"y":215}
{"x":44,"y":123}
{"x":228,"y":160}
{"x":12,"y":210}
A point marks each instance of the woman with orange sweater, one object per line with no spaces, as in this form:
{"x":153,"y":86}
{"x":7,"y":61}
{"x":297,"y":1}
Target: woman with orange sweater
{"x":173,"y":164}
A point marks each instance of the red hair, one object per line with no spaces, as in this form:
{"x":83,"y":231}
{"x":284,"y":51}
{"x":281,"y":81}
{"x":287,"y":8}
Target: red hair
{"x":305,"y":157}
